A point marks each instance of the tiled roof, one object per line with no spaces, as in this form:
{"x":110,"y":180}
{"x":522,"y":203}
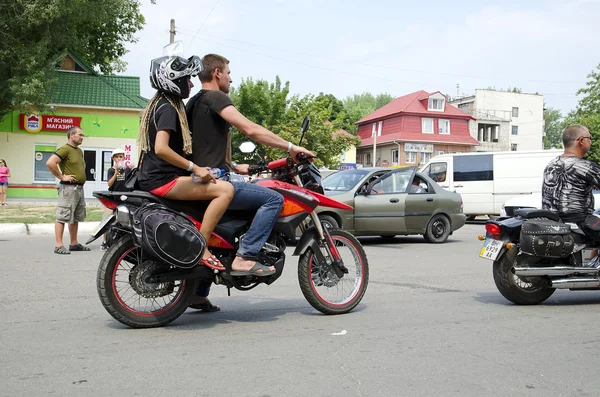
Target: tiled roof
{"x":419,"y":137}
{"x":77,"y":88}
{"x":413,"y":104}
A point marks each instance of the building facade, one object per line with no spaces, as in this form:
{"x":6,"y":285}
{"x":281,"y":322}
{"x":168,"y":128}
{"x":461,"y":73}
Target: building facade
{"x":106,"y":108}
{"x":411,"y":129}
{"x":503,"y":120}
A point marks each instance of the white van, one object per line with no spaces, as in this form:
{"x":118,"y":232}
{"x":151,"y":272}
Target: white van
{"x":485,"y":180}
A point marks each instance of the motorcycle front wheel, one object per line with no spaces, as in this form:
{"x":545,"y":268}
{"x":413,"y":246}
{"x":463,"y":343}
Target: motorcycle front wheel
{"x":321,"y":286}
{"x":519,"y":290}
{"x":125,"y":294}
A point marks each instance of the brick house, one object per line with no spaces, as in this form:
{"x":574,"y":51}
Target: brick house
{"x":413,"y":128}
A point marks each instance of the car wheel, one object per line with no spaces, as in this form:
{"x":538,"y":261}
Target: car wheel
{"x":438,"y":229}
{"x":470,"y":218}
{"x":329,"y":222}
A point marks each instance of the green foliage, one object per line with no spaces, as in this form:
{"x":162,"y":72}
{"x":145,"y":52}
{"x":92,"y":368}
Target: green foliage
{"x":36,"y":34}
{"x":330,"y":101}
{"x":268,"y":105}
{"x":359,"y":106}
{"x":587,"y":112}
{"x":553,"y":128}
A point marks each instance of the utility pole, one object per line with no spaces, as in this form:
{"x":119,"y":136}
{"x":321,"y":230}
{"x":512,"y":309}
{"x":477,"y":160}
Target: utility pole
{"x":172,"y":32}
{"x":457,"y":90}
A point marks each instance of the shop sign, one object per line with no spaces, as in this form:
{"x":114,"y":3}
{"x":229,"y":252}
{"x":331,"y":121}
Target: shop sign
{"x":34,"y":123}
{"x":418,"y":147}
{"x":129,"y":149}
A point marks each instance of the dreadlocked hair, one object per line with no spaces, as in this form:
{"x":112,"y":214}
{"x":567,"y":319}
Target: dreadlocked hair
{"x":144,"y":138}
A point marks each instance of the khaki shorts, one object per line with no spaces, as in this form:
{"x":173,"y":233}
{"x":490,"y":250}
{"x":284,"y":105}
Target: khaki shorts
{"x":71,"y":204}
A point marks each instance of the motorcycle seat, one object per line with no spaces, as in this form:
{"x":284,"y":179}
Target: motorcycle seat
{"x":195,"y":208}
{"x":530,"y":213}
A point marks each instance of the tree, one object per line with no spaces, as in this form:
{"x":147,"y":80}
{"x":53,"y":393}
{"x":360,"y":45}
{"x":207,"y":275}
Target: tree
{"x":587,"y":112}
{"x":358,"y":106}
{"x":36,"y":34}
{"x":553,"y":126}
{"x":261,"y":102}
{"x":329,"y":100}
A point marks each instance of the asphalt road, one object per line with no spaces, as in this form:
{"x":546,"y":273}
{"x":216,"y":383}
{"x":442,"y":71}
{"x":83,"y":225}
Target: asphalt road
{"x":431,"y":324}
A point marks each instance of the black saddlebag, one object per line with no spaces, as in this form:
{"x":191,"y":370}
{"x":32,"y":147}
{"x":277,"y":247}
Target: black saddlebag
{"x":546,"y":238}
{"x":168,"y":235}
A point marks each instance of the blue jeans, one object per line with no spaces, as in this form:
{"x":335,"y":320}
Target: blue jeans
{"x":267,"y":203}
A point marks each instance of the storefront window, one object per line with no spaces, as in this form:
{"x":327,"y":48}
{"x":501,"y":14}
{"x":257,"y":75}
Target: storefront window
{"x":41,"y":173}
{"x":411,"y":157}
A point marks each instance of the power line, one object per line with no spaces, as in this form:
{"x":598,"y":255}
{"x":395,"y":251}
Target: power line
{"x":388,"y":67}
{"x":349,"y":73}
{"x":205,"y":19}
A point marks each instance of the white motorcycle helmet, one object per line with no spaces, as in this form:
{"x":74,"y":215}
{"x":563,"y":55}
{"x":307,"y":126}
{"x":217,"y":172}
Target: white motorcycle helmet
{"x":170,"y":74}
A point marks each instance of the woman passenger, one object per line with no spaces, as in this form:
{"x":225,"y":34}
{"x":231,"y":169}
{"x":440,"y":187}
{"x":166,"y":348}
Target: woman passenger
{"x":165,"y":141}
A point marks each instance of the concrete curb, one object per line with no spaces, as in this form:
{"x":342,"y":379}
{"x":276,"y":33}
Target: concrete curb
{"x":41,"y":229}
{"x":12,"y":228}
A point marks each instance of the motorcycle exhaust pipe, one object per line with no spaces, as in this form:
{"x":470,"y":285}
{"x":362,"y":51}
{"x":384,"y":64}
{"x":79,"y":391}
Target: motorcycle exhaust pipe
{"x":576,"y":283}
{"x":553,"y":271}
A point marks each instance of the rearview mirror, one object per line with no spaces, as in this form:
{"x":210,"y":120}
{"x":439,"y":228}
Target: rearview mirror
{"x":247,"y":147}
{"x":303,"y":129}
{"x":305,"y":123}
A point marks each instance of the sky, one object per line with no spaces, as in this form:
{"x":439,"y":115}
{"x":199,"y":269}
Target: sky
{"x":347,"y":47}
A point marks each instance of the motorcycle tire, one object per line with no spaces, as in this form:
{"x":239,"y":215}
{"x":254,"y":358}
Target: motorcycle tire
{"x":308,"y":284}
{"x":116,"y":307}
{"x":506,"y":282}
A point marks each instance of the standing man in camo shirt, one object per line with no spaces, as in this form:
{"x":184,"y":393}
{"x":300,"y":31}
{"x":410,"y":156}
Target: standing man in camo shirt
{"x":68,"y":165}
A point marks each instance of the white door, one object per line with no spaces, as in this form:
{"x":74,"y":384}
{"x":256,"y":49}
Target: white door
{"x":97,"y":163}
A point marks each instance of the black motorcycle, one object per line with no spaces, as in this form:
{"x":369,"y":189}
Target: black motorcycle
{"x":535,"y":252}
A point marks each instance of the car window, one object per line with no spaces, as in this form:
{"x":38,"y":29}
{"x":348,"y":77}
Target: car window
{"x":418,"y":186}
{"x":474,"y":168}
{"x":436,"y":171}
{"x":343,"y":180}
{"x":393,"y":182}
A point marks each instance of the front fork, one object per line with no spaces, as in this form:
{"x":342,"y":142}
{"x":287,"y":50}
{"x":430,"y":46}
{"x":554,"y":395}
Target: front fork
{"x":334,"y":257}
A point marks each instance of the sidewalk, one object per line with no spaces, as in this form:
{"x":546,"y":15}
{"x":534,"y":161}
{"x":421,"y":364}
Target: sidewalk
{"x":41,"y":202}
{"x":39,"y":229}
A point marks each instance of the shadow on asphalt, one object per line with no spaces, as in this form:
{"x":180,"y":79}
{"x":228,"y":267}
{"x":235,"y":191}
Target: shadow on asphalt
{"x":239,"y":310}
{"x":368,"y":241}
{"x":559,"y":298}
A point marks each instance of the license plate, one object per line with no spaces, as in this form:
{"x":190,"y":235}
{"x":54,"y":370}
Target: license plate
{"x":491,"y":249}
{"x":101,"y":225}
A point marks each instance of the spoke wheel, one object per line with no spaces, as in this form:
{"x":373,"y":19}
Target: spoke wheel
{"x":321,"y":286}
{"x":129,"y":298}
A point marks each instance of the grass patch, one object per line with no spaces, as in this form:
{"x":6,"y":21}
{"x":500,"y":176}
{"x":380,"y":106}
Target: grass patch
{"x":45,"y":214}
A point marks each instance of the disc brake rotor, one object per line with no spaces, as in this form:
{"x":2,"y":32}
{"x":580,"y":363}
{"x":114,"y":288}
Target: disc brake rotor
{"x":138,"y":274}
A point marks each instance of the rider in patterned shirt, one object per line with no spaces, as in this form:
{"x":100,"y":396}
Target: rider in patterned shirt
{"x":569,"y":179}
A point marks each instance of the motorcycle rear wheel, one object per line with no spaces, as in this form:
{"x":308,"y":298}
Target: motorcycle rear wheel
{"x":513,"y":288}
{"x":319,"y":283}
{"x":120,"y":286}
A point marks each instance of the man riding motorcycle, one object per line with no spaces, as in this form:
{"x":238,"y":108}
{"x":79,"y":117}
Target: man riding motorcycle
{"x":569,"y":180}
{"x":210,"y":116}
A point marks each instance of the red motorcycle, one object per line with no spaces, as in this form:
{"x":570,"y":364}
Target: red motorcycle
{"x":141,"y":292}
